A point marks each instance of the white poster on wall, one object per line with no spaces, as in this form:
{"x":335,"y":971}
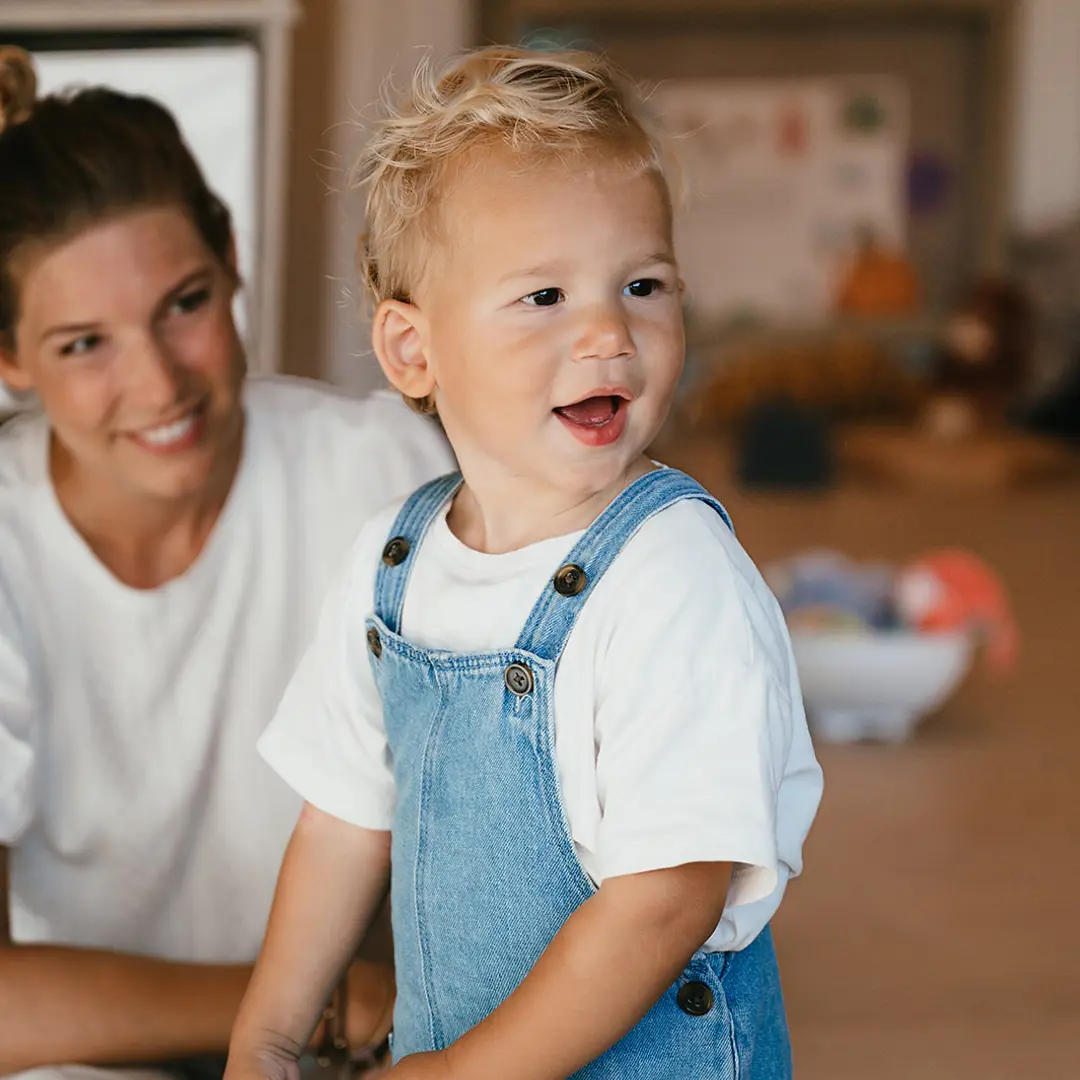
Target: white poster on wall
{"x":212,"y":90}
{"x":781,"y":177}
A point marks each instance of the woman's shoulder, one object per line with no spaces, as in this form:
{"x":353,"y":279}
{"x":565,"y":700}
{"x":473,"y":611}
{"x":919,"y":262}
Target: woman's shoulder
{"x":22,"y":450}
{"x":340,"y":458}
{"x":23,"y":524}
{"x":301,"y":403}
{"x":306,"y":415}
{"x":23,"y":455}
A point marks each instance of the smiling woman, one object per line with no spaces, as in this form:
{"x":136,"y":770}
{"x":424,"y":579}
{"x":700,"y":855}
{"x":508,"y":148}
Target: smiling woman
{"x":117,"y":274}
{"x":168,"y":530}
{"x":140,"y":370}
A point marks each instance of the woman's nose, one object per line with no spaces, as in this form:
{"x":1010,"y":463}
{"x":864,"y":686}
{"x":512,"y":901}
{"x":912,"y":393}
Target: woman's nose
{"x":153,"y":374}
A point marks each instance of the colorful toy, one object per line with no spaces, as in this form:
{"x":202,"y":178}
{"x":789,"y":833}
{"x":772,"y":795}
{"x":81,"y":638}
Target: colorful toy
{"x":955,"y":590}
{"x":880,"y":647}
{"x":824,"y":590}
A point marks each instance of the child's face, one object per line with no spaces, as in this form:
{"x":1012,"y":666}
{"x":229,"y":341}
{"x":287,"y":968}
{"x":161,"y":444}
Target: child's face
{"x":554,"y":323}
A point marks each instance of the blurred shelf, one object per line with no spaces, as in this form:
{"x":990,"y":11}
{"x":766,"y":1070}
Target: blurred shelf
{"x":68,"y":15}
{"x":580,"y":10}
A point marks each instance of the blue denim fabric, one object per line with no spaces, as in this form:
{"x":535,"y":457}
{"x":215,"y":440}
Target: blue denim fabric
{"x":484,"y":868}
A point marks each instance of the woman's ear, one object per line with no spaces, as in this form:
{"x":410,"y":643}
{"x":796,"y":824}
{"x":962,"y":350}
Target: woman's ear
{"x":399,"y":336}
{"x":14,"y":376}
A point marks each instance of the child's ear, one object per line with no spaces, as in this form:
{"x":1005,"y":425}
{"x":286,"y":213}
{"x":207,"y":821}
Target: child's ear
{"x":398,"y":336}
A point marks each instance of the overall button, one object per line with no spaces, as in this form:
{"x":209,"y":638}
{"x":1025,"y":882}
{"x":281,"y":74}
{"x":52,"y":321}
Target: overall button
{"x":374,"y":643}
{"x":695,"y":999}
{"x":396,"y":551}
{"x":519,"y":679}
{"x":569,"y":580}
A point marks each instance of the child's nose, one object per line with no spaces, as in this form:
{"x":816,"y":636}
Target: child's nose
{"x":605,"y":335}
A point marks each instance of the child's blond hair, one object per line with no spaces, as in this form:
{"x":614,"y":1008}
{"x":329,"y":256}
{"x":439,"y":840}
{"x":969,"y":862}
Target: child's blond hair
{"x":538,"y":105}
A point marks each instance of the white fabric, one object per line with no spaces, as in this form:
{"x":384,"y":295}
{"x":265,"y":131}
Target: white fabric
{"x":139,"y":815}
{"x":89,"y":1072}
{"x":679,"y":726}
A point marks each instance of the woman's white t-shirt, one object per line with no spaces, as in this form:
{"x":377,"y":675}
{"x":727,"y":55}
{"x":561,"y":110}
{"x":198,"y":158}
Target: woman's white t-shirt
{"x":138,"y":813}
{"x":679,"y":727}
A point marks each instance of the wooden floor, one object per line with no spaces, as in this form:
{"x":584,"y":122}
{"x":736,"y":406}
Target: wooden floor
{"x":936,"y":931}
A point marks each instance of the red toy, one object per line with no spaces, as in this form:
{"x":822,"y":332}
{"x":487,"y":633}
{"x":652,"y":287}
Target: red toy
{"x":951,"y":590}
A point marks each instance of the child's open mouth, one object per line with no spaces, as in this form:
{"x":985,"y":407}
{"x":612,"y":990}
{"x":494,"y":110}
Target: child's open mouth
{"x":596,"y":421}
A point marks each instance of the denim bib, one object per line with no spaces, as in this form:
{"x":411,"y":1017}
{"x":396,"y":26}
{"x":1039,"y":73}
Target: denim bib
{"x":484,"y":868}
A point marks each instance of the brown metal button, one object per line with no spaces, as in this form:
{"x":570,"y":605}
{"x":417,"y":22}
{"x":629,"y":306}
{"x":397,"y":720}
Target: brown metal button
{"x":396,"y":551}
{"x":569,"y":580}
{"x":519,"y":679}
{"x":374,"y":642}
{"x":695,"y":998}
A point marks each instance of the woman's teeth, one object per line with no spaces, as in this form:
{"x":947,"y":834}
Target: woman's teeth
{"x":169,"y":433}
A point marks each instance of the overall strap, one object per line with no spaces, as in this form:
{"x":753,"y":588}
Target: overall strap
{"x":553,"y":616}
{"x":419,"y":511}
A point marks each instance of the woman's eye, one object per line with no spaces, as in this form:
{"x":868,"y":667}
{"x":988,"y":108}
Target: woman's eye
{"x":544,"y":297}
{"x":644,"y":287}
{"x":81,"y":345}
{"x":192,"y":301}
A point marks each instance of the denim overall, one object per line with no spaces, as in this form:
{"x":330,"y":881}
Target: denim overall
{"x":484,"y":868}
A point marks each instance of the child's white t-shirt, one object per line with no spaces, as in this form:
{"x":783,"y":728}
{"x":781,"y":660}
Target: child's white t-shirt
{"x":679,"y":727}
{"x":139,"y":815}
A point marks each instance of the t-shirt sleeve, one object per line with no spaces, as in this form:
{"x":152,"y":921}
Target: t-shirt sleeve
{"x":695,"y":720}
{"x":327,"y":739}
{"x":16,"y":734}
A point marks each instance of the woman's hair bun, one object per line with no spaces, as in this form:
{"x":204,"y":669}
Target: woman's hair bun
{"x":18,"y":85}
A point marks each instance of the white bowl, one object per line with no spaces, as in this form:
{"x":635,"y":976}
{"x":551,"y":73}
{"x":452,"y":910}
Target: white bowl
{"x":878,"y":685}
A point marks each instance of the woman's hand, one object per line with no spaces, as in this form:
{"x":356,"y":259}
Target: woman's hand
{"x":267,"y":1065}
{"x":369,"y":1006}
{"x":369,"y":1010}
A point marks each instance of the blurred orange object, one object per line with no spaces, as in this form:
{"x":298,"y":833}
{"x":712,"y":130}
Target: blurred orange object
{"x":951,"y":590}
{"x":879,"y":283}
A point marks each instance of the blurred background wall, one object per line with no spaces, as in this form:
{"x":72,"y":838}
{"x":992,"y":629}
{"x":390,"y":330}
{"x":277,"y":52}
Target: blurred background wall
{"x":344,"y":48}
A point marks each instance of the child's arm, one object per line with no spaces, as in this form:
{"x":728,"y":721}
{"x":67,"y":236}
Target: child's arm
{"x":333,"y":878}
{"x":608,"y":965}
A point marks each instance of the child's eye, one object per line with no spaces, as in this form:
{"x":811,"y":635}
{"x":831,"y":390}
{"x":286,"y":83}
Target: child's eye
{"x":81,"y":345}
{"x":191,"y":301}
{"x":544,"y":297}
{"x":644,"y":287}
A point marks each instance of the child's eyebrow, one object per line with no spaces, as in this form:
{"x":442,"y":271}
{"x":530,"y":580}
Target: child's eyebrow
{"x":665,"y":257}
{"x":555,"y":268}
{"x":532,"y":271}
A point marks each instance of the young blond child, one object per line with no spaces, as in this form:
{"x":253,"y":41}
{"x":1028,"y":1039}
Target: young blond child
{"x":576,"y":734}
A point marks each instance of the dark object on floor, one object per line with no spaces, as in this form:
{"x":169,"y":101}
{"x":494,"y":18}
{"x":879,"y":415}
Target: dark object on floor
{"x":1056,"y":413}
{"x":783,"y":445}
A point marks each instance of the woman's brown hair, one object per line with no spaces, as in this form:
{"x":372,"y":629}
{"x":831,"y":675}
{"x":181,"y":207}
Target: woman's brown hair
{"x":71,"y":161}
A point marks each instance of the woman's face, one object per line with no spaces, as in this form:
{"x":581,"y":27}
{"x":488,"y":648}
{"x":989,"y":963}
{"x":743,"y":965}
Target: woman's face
{"x":126,"y":335}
